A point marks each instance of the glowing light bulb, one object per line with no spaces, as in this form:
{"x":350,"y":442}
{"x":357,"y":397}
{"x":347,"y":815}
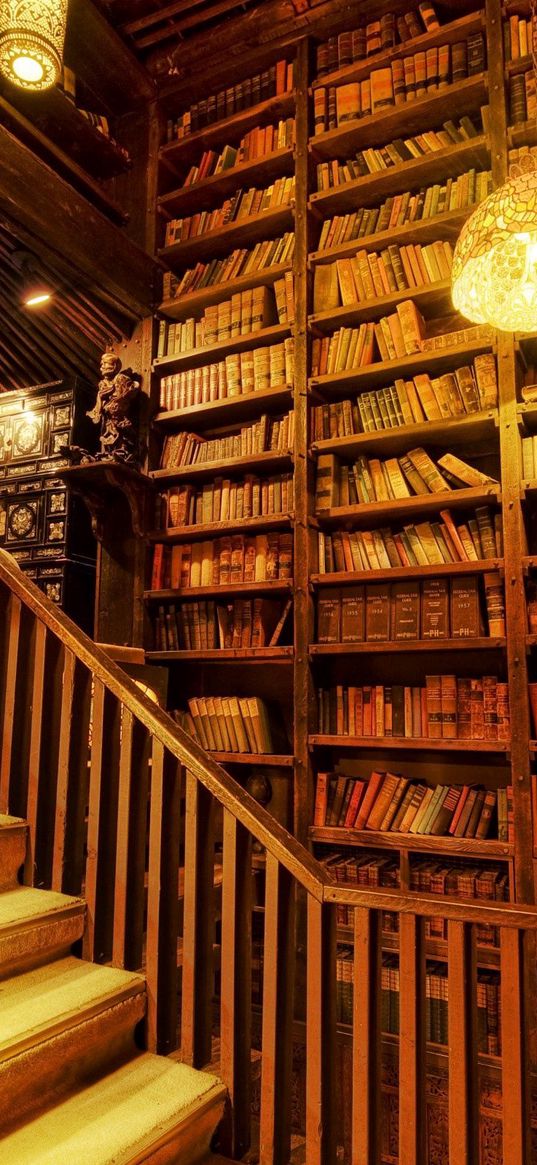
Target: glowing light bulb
{"x":35,"y":300}
{"x":28,"y":69}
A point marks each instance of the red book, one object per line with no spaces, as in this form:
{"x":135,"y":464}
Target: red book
{"x":354,"y":804}
{"x":459,"y":809}
{"x":374,"y":786}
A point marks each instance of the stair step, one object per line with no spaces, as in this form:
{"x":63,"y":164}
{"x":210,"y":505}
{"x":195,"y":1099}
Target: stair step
{"x":36,"y":926}
{"x":150,"y":1110}
{"x":13,"y":832}
{"x":59,"y":1024}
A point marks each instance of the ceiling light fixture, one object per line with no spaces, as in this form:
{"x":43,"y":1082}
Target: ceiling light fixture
{"x":35,"y":290}
{"x":32,"y":35}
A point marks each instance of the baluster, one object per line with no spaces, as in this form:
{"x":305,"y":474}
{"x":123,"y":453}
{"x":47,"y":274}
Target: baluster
{"x":72,"y":780}
{"x":162,"y":899}
{"x":411,"y":1041}
{"x":320,"y":1033}
{"x":462,"y":1046}
{"x":46,"y":680}
{"x":10,"y":653}
{"x":198,"y":927}
{"x":277,"y":1039}
{"x":34,"y":756}
{"x":366,"y":1061}
{"x":236,"y":984}
{"x":129,"y":890}
{"x":102,"y":819}
{"x":515,"y":1067}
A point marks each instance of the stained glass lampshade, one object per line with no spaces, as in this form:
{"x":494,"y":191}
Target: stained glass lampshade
{"x":32,"y":33}
{"x":494,"y":273}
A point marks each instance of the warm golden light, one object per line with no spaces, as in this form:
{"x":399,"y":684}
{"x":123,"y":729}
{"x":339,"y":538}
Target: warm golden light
{"x":35,"y":300}
{"x":494,"y":273}
{"x":32,"y":33}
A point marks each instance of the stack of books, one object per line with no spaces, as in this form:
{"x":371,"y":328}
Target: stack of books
{"x":486,"y":883}
{"x":241,"y":205}
{"x":223,"y":500}
{"x":392,"y":337}
{"x":469,"y":389}
{"x":371,"y":480}
{"x":433,"y":609}
{"x":259,"y":141}
{"x":240,"y":373}
{"x":268,"y":434}
{"x":207,"y":625}
{"x":240,"y":724}
{"x":402,"y":209}
{"x":529,"y":458}
{"x":246,"y":312}
{"x":370,"y":275}
{"x":268,"y":253}
{"x":389,"y":803}
{"x":364,"y":870}
{"x":271,"y":82}
{"x":522,"y":97}
{"x":518,"y":34}
{"x":375,"y":36}
{"x":447,"y":708}
{"x":223,"y":561}
{"x":418,"y":544}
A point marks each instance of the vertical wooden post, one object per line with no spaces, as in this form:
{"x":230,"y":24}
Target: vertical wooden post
{"x":366,"y":1064}
{"x":10,"y":649}
{"x":236,"y":985}
{"x":34,"y":757}
{"x":131,"y":843}
{"x":462,"y":1046}
{"x":162,"y":900}
{"x":321,"y":1034}
{"x":102,"y":823}
{"x":278,"y":999}
{"x":72,"y":778}
{"x":516,"y":1076}
{"x":412,"y":1114}
{"x":198,"y":929}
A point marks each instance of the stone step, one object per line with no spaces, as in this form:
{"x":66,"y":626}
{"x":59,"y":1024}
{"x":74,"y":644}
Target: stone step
{"x":36,"y":926}
{"x":150,"y":1111}
{"x":13,"y":833}
{"x":60,"y":1024}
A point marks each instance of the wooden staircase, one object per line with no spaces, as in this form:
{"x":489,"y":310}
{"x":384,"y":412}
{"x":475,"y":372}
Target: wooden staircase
{"x":75,"y":1086}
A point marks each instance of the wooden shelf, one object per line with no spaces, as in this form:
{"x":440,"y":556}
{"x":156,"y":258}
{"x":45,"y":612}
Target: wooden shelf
{"x":363,"y":515}
{"x":218,"y":529}
{"x":436,"y":948}
{"x":385,"y":372}
{"x":394,"y":573}
{"x":522,"y":134}
{"x":370,"y":189}
{"x":457,"y":431}
{"x":272,"y":587}
{"x":242,"y":655}
{"x":469,"y":847}
{"x":447,"y":34}
{"x":57,"y":116}
{"x":211,"y":190}
{"x":528,"y":489}
{"x":212,"y":244}
{"x":520,"y":65}
{"x":409,"y":744}
{"x":207,"y":469}
{"x":211,"y":353}
{"x":275,"y":760}
{"x":428,"y":298}
{"x":529,"y":562}
{"x":402,"y":120}
{"x":184,"y":306}
{"x":232,"y":408}
{"x":531,"y":641}
{"x":228,"y":130}
{"x":410,"y":646}
{"x":425,"y":230}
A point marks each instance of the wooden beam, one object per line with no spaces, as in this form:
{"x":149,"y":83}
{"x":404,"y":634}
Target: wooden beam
{"x":76,"y":230}
{"x":103,"y":61}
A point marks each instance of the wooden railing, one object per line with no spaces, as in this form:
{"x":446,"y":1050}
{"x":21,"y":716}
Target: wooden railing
{"x":126,"y":809}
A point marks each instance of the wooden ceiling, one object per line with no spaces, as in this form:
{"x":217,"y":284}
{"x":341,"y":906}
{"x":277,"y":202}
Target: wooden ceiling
{"x":61,"y":339}
{"x":147,"y":24}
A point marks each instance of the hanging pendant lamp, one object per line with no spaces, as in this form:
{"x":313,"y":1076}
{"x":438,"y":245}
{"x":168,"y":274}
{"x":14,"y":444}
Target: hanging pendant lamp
{"x":32,"y":33}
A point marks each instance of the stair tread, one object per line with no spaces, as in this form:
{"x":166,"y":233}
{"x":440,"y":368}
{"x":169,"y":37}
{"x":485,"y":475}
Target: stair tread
{"x":7,"y":822}
{"x":111,"y":1121}
{"x":24,"y":904}
{"x":47,"y":999}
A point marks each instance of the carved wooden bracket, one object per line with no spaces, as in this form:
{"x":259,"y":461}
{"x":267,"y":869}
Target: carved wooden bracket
{"x":97,"y":480}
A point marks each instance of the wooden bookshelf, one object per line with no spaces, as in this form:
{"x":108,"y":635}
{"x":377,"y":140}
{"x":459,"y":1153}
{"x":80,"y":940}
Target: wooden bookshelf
{"x":233,"y":526}
{"x":468,"y":847}
{"x":370,"y":513}
{"x":428,"y":298}
{"x":386,"y":371}
{"x":412,"y":646}
{"x":272,"y":760}
{"x":228,"y":129}
{"x":212,"y":244}
{"x":231,"y":408}
{"x":407,"y":743}
{"x":63,"y":122}
{"x":272,"y":587}
{"x":246,"y":656}
{"x":475,"y":427}
{"x":272,"y":462}
{"x":210,"y":191}
{"x":395,"y":573}
{"x":424,"y":230}
{"x":184,"y":306}
{"x":211,"y":353}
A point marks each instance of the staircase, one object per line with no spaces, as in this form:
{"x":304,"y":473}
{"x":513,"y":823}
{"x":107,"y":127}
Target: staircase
{"x":75,"y":1087}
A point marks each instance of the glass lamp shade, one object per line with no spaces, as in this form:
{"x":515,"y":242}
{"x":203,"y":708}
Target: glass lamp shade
{"x":32,"y":33}
{"x":494,"y":273}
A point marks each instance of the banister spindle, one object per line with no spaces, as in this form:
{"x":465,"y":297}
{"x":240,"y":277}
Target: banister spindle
{"x":411,"y":1041}
{"x":162,"y":899}
{"x":366,"y":1063}
{"x":320,"y":1033}
{"x":236,"y":984}
{"x":131,"y":837}
{"x":10,"y":653}
{"x":34,"y":756}
{"x":198,"y":926}
{"x":102,"y":818}
{"x":72,"y":778}
{"x":516,"y":1075}
{"x":278,"y":996}
{"x":463,"y":1107}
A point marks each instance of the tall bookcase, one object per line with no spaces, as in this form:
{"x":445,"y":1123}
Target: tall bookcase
{"x":291,"y":676}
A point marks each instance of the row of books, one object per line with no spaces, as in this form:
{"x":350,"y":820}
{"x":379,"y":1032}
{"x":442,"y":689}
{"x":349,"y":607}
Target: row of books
{"x":372,"y":480}
{"x":268,"y":434}
{"x":223,"y":561}
{"x":102,"y":125}
{"x":262,"y":86}
{"x":402,"y":209}
{"x":240,"y":262}
{"x":240,"y":724}
{"x":372,"y":274}
{"x":374,"y":37}
{"x":391,"y":337}
{"x":389,"y":803}
{"x":207,"y":625}
{"x":246,"y":312}
{"x":239,"y":374}
{"x":436,"y":608}
{"x":529,"y":458}
{"x":224,"y":500}
{"x":447,"y":708}
{"x":245,"y":203}
{"x":467,"y":390}
{"x":375,"y":159}
{"x":261,"y":140}
{"x":405,"y":79}
{"x":518,"y":35}
{"x":416,"y":544}
{"x":522,"y":97}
